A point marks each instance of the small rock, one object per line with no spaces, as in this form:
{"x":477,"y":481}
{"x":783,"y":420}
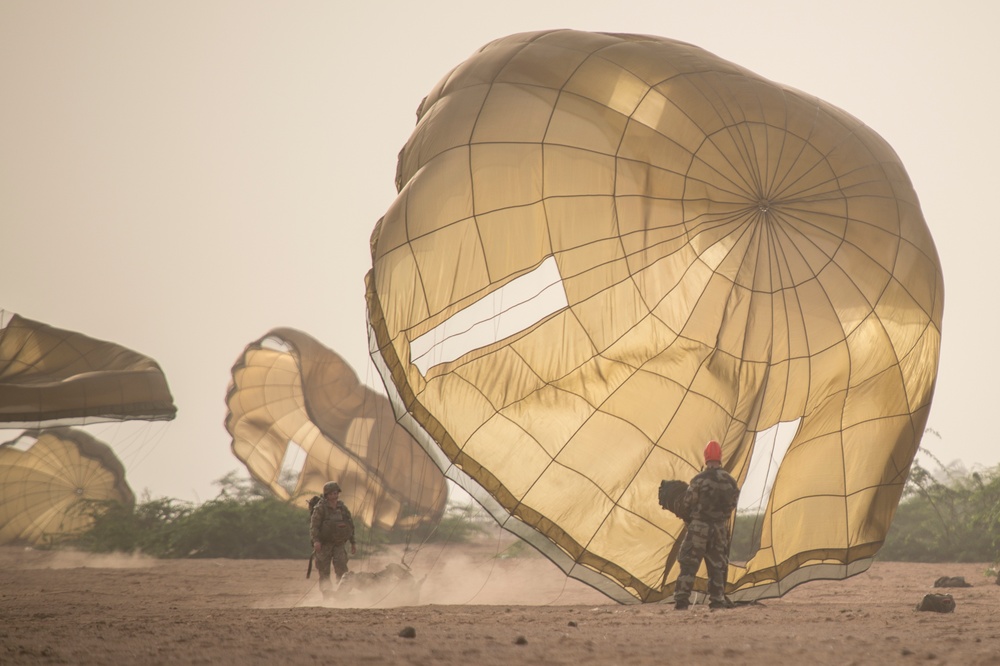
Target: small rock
{"x":408,"y":632}
{"x":520,"y":640}
{"x":572,"y":623}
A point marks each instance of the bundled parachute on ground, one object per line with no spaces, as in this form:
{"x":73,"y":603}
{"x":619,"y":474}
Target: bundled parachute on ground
{"x":299,"y":417}
{"x":607,"y":250}
{"x":44,"y":477}
{"x":50,"y":376}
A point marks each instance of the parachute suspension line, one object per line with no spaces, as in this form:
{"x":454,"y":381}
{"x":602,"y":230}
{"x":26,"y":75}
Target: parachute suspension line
{"x":449,"y":541}
{"x":136,"y":446}
{"x":420,"y":546}
{"x":305,"y":594}
{"x":384,"y":455}
{"x":409,"y":551}
{"x":369,"y":493}
{"x":493,"y":565}
{"x":365,"y":504}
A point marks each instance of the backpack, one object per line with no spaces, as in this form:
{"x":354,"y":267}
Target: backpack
{"x":672,"y":498}
{"x":313,"y":501}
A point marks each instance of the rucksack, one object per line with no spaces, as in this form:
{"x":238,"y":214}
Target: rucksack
{"x":672,"y":498}
{"x":313,"y":501}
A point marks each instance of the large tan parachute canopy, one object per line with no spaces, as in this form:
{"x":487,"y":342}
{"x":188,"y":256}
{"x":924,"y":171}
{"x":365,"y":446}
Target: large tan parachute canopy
{"x":50,"y":376}
{"x":299,"y":417}
{"x":46,"y":476}
{"x":609,"y":249}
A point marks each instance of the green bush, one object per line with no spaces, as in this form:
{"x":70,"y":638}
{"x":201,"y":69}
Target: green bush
{"x":953,"y":516}
{"x":948,"y":516}
{"x":460,"y":523}
{"x":148,"y":528}
{"x":746,"y":536}
{"x":245,"y":521}
{"x":265,"y":528}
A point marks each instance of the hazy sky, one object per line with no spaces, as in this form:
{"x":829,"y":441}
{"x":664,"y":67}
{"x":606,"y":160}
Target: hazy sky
{"x":180,"y":177}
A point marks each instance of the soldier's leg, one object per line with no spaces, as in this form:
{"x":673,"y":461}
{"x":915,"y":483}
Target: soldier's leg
{"x":322,"y":561}
{"x":690,"y":556}
{"x":340,"y":560}
{"x":717,"y":562}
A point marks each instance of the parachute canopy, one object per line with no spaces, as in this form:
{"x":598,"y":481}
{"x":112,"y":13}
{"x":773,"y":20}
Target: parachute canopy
{"x":44,"y":477}
{"x":299,"y":417}
{"x":609,"y":249}
{"x":50,"y":376}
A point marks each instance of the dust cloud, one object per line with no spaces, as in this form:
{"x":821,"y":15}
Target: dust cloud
{"x":71,"y":559}
{"x":486,"y":573}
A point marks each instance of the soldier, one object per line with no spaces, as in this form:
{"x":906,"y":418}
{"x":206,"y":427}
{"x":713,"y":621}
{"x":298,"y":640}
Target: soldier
{"x":709,"y":500}
{"x":330,"y":528}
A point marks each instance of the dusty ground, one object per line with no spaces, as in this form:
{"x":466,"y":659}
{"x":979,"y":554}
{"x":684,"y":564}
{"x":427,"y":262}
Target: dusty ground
{"x":70,"y":608}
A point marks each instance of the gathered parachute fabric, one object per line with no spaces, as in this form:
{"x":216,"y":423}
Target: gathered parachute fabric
{"x":607,"y":250}
{"x":47,"y":475}
{"x":297,"y":406}
{"x":50,"y":376}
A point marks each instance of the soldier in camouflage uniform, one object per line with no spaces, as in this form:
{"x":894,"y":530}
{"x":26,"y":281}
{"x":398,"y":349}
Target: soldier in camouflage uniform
{"x":709,"y":500}
{"x":330,"y":528}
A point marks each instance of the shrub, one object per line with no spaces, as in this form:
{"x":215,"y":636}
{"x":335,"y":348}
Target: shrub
{"x":149,"y":528}
{"x":245,"y":521}
{"x":265,"y":528}
{"x":953,"y":516}
{"x":746,"y":536}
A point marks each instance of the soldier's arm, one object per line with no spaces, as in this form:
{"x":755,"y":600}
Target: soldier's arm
{"x":350,"y":521}
{"x":735,"y":496}
{"x":691,"y":495}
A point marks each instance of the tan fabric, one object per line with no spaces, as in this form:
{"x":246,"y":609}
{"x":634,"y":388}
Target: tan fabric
{"x":50,"y":376}
{"x":288,"y":388}
{"x":733,"y":254}
{"x":42,"y":485}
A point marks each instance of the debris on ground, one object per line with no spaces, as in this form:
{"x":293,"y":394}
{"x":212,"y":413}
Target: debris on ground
{"x":938,"y":603}
{"x":951,"y":581}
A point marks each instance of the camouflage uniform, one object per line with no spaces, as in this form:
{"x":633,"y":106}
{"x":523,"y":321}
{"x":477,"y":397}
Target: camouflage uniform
{"x":710,"y":500}
{"x":333,"y":527}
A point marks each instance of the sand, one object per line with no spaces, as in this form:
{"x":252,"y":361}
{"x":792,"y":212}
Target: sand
{"x":61,"y":607}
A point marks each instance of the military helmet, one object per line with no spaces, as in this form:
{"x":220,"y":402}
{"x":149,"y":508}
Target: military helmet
{"x":330,"y":486}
